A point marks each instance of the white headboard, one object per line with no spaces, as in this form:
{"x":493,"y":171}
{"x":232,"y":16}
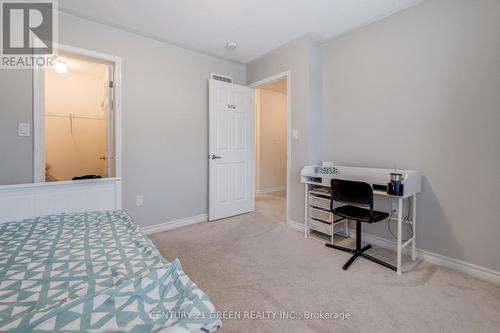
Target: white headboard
{"x":24,"y":201}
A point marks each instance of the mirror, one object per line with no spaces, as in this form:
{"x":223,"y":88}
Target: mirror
{"x":73,"y":138}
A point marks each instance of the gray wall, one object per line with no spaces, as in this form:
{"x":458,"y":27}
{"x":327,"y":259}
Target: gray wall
{"x":165,"y":117}
{"x":16,"y":153}
{"x":302,"y":58}
{"x":421,"y":90}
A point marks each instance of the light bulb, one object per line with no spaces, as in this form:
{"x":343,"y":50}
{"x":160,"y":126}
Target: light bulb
{"x":61,"y":67}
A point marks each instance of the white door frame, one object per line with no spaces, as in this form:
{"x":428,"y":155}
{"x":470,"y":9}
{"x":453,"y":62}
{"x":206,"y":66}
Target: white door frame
{"x":280,"y":76}
{"x":39,"y":118}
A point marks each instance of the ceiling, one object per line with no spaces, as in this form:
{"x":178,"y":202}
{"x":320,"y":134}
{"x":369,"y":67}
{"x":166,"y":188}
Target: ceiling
{"x":258,"y":26}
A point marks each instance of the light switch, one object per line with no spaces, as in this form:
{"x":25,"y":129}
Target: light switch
{"x":139,"y":200}
{"x":295,"y":134}
{"x":24,"y":129}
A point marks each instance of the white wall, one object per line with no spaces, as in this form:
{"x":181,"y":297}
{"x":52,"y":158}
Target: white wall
{"x":165,"y":117}
{"x":421,"y":90}
{"x":272,"y":131}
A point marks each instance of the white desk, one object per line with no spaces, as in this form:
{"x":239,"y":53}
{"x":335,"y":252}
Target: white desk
{"x":377,"y":177}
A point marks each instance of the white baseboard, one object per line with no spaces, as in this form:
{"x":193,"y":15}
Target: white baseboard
{"x":174,"y":224}
{"x":295,"y":225}
{"x":479,"y":272}
{"x":482,"y":273}
{"x":270,"y":190}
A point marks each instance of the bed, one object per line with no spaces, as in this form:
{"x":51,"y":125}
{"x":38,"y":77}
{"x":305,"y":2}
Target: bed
{"x":94,"y":272}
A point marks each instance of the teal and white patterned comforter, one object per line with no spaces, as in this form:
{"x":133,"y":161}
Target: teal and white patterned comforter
{"x":93,"y":272}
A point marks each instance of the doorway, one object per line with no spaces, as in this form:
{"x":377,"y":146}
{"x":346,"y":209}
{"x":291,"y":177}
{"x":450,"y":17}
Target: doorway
{"x":272,"y":153}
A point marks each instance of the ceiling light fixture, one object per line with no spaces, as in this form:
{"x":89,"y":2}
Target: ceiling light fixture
{"x":61,"y":67}
{"x":231,"y":45}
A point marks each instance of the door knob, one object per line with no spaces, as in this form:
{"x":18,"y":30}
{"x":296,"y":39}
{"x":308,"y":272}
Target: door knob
{"x":102,"y":158}
{"x":214,"y":157}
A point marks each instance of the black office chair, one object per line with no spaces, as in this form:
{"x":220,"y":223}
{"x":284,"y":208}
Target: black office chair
{"x":358,"y":194}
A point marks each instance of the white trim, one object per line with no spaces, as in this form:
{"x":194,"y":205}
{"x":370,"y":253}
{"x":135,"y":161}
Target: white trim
{"x":38,"y":125}
{"x":295,"y":225}
{"x":479,"y":272}
{"x":271,"y":79}
{"x":174,"y":224}
{"x":258,"y":158}
{"x":439,"y":260}
{"x":38,"y":109}
{"x":270,"y":190}
{"x":288,"y":76}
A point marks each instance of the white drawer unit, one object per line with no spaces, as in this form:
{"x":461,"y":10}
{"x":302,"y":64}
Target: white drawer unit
{"x":322,"y":227}
{"x":320,"y":214}
{"x":327,"y":228}
{"x":319,"y":202}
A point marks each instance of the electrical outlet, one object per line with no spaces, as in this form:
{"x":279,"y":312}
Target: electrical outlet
{"x":395,"y":206}
{"x":139,"y":200}
{"x":395,"y":212}
{"x":24,"y":129}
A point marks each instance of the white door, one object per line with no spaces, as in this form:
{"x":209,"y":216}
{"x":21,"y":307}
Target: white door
{"x":231,"y":150}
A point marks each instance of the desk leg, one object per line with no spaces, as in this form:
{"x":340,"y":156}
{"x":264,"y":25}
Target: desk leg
{"x":306,"y":220}
{"x":400,"y":233}
{"x":414,"y":229}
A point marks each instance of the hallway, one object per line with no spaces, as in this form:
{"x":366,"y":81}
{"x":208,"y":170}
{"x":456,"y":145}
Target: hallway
{"x":272,"y":206}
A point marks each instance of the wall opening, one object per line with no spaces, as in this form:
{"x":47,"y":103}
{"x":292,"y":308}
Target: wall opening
{"x":271,"y":146}
{"x":77,"y":119}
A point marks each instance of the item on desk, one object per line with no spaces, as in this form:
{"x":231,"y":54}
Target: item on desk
{"x":395,"y":185}
{"x":396,"y":176}
{"x":326,"y":168}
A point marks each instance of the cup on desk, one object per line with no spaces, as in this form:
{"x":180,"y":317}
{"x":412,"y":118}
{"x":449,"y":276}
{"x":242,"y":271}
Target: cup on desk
{"x":395,"y":185}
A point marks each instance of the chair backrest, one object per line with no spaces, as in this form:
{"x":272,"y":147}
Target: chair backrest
{"x":352,"y":192}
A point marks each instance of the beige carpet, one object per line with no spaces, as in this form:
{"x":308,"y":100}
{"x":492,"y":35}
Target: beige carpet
{"x":254,"y":262}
